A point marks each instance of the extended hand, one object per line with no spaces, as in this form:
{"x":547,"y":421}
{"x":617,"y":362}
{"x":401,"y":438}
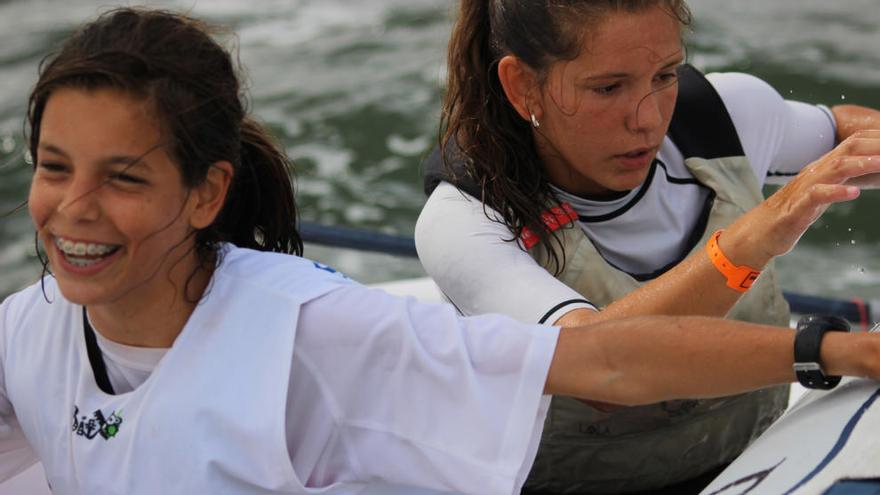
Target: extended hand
{"x":777,"y":223}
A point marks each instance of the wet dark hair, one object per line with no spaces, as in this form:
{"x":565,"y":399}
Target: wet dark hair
{"x":497,"y":143}
{"x":191,"y":84}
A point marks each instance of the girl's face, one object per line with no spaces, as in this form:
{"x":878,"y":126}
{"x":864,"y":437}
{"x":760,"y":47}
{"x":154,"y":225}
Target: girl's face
{"x":605,"y":113}
{"x":107,"y":201}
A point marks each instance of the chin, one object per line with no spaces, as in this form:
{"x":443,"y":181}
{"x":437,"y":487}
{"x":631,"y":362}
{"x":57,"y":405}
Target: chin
{"x":79,"y":293}
{"x":630,"y":181}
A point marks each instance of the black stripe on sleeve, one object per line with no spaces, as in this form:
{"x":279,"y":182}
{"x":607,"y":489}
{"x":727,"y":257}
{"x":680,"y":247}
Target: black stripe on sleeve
{"x":781,"y":174}
{"x":562,"y":305}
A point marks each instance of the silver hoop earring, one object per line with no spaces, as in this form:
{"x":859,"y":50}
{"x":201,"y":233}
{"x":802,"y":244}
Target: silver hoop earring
{"x":535,"y":122}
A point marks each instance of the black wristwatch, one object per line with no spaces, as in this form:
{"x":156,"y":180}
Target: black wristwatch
{"x":807,"y":342}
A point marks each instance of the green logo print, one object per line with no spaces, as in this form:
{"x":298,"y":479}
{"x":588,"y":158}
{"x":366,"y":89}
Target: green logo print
{"x":87,"y":427}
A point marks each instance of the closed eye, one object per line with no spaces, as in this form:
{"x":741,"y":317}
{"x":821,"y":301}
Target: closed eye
{"x":126,"y":178}
{"x":52,"y":167}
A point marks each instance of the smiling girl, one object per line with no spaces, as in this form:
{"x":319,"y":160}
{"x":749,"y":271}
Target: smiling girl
{"x":585,"y":172}
{"x":108,"y":203}
{"x":171,"y":351}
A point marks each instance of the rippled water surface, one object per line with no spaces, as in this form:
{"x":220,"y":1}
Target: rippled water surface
{"x":352,"y":89}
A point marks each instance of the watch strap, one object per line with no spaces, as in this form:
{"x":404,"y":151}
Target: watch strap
{"x":739,"y":277}
{"x":807,"y":346}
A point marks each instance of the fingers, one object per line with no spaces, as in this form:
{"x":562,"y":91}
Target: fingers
{"x":855,"y":161}
{"x":834,"y":178}
{"x":827,"y":194}
{"x":861,"y":143}
{"x":854,"y":166}
{"x":839,"y":169}
{"x":865,"y":133}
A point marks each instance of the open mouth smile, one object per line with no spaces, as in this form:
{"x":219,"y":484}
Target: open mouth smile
{"x":84,"y":254}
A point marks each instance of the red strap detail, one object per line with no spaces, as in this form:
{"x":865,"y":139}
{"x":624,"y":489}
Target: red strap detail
{"x":863,"y":312}
{"x":554,"y":219}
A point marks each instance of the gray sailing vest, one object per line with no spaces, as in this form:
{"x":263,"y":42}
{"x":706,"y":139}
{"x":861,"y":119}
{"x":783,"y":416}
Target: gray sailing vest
{"x":647,"y":447}
{"x":642,"y":448}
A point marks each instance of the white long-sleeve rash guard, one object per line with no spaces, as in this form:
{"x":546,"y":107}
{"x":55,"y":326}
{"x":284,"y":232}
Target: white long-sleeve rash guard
{"x":481,"y":271}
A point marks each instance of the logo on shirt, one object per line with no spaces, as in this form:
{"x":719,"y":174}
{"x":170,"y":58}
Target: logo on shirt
{"x":328,"y":269}
{"x":98,"y":424}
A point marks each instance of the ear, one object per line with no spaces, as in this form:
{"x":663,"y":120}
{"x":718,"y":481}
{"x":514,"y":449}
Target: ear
{"x":210,"y":195}
{"x":520,"y":86}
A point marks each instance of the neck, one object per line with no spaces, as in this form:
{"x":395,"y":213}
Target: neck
{"x":605,"y":196}
{"x":153,"y":321}
{"x":565,"y":176}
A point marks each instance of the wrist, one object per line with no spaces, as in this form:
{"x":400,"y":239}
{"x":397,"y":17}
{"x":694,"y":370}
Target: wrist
{"x":743,"y":247}
{"x":838,"y":357}
{"x":739,"y":277}
{"x":855,"y":354}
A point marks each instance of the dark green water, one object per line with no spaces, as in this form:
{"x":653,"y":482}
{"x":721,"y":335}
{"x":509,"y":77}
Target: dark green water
{"x":352,"y":89}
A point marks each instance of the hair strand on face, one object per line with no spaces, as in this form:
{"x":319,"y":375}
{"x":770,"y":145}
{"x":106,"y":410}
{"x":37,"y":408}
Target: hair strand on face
{"x":196,"y":96}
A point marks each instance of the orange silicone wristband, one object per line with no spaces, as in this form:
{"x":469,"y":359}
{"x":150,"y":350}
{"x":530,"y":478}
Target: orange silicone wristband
{"x":739,"y":278}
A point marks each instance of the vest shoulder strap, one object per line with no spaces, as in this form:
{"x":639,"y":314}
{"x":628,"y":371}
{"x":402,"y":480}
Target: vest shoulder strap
{"x":701,"y":127}
{"x":454,"y":171}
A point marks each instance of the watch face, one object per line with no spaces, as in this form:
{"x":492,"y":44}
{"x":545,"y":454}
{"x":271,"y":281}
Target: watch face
{"x":825,"y":322}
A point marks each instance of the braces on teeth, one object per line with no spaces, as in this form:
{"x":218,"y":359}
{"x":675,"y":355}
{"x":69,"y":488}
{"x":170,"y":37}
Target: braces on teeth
{"x":83,"y":249}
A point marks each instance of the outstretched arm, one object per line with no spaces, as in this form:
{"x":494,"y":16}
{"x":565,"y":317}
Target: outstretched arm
{"x":647,"y":360}
{"x":768,"y":230}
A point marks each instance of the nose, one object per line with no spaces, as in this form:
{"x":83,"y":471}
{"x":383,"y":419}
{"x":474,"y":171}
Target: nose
{"x":648,"y":114}
{"x":80,"y":201}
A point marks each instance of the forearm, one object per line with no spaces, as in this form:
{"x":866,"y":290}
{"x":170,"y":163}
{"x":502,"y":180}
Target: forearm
{"x":693,"y":287}
{"x":853,"y":118}
{"x":646,"y":360}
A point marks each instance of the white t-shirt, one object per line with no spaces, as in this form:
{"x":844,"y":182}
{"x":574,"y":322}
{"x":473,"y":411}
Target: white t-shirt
{"x":381,"y":389}
{"x":470,"y":258}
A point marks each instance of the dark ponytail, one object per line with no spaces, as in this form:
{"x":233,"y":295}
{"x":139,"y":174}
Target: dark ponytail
{"x":479,"y":124}
{"x":172,"y":62}
{"x":260,"y":211}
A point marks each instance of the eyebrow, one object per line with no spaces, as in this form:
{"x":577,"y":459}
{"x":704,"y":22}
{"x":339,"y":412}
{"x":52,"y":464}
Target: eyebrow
{"x":127,"y":160}
{"x":677,"y":59}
